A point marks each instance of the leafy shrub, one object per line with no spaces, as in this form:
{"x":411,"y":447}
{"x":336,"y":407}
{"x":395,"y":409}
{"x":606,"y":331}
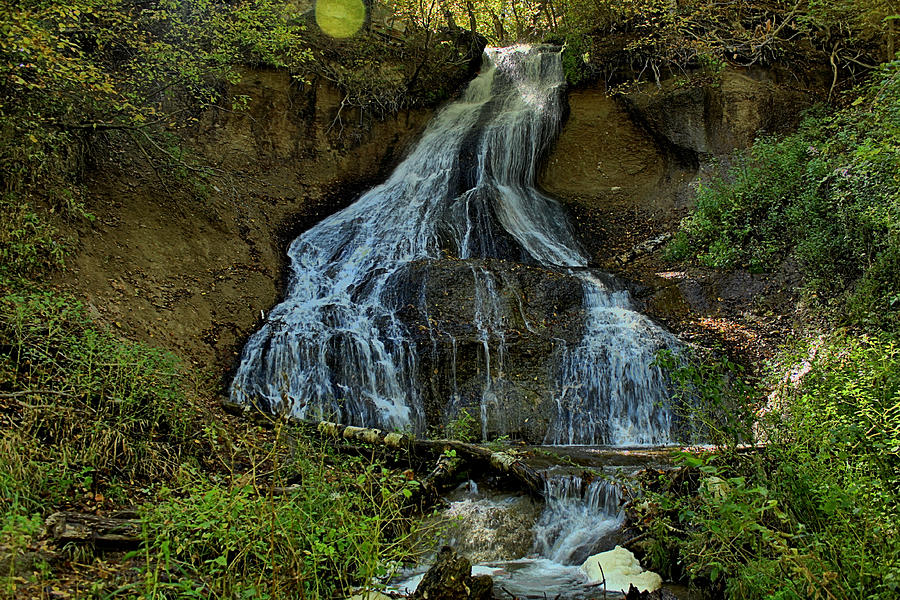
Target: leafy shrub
{"x":464,"y":427}
{"x":712,"y":396}
{"x":828,"y":194}
{"x":342,"y":526}
{"x":812,"y":514}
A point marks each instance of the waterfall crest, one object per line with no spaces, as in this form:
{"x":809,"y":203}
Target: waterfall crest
{"x":338,"y":346}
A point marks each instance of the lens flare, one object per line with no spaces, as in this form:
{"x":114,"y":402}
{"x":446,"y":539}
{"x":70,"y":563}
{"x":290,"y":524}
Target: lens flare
{"x":340,"y":18}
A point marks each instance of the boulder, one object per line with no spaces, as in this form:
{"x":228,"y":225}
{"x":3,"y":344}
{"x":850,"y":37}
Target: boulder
{"x":618,"y":570}
{"x":716,"y":119}
{"x":450,"y":578}
{"x":490,"y":331}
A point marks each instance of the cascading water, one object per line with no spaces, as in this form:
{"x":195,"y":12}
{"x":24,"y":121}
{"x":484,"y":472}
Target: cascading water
{"x":535,"y":556}
{"x":577,"y":517}
{"x":338,"y":347}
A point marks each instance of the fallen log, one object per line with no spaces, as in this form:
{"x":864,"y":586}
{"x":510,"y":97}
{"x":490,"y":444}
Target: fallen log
{"x":645,"y":247}
{"x":441,"y":477}
{"x":109,"y":533}
{"x":502,"y":462}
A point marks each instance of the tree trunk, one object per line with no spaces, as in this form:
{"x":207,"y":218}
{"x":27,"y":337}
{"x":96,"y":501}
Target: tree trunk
{"x":110,"y":533}
{"x":502,"y":462}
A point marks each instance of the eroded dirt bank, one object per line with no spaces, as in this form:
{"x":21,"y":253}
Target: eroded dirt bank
{"x":194,"y":266}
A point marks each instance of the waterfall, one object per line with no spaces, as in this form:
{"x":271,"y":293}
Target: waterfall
{"x":577,"y":516}
{"x":338,"y":347}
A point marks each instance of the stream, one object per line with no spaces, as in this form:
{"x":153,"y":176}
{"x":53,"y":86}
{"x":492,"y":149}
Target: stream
{"x":534,"y":550}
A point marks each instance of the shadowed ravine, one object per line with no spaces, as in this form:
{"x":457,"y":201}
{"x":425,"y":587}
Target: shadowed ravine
{"x":361,"y":339}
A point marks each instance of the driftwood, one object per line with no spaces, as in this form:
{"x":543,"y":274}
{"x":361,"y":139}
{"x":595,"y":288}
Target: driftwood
{"x":502,"y":462}
{"x":645,"y":247}
{"x":110,"y":533}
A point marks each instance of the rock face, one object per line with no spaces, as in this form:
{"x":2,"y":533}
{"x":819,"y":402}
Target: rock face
{"x":717,"y":119}
{"x":619,"y":182}
{"x":450,"y":578}
{"x":468,"y":336}
{"x":627,"y":167}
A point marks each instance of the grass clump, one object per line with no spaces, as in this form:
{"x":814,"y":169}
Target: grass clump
{"x":344,"y":523}
{"x":814,"y":512}
{"x":86,"y":398}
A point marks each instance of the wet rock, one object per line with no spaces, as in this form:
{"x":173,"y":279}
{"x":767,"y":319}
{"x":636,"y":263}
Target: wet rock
{"x":450,"y":578}
{"x":522,"y":314}
{"x":491,"y":528}
{"x":662,"y":594}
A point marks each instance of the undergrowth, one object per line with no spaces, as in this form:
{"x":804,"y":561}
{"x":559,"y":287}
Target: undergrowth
{"x":814,"y":512}
{"x":712,"y":396}
{"x":91,"y":421}
{"x":828,"y":195}
{"x":309,"y":524}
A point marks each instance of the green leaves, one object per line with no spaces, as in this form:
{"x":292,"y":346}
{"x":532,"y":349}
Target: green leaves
{"x":813,"y":512}
{"x":341,"y":527}
{"x":828,"y":195}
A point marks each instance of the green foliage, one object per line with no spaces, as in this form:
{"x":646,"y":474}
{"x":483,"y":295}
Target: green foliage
{"x":828,"y":194}
{"x":657,"y":38}
{"x":576,"y":60}
{"x":86,"y":414}
{"x":741,"y":220}
{"x":342,"y":526}
{"x":464,"y":427}
{"x":86,"y":402}
{"x":17,"y":533}
{"x":712,"y":397}
{"x":72,"y":71}
{"x":28,"y":243}
{"x":814,"y":512}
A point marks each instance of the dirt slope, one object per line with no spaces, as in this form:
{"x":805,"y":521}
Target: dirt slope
{"x":194,"y":266}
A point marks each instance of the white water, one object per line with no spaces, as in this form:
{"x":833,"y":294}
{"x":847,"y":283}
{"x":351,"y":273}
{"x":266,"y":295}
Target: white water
{"x":578,"y":515}
{"x":528,"y":555}
{"x":336,"y":349}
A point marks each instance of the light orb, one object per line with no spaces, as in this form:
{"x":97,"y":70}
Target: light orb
{"x":340,"y":18}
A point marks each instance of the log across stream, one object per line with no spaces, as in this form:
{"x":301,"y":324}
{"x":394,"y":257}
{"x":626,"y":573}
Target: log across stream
{"x":528,"y":516}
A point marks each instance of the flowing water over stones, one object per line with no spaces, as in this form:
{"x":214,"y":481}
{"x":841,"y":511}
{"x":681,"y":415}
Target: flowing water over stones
{"x":535,"y":551}
{"x":578,"y":520}
{"x":457,"y":285}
